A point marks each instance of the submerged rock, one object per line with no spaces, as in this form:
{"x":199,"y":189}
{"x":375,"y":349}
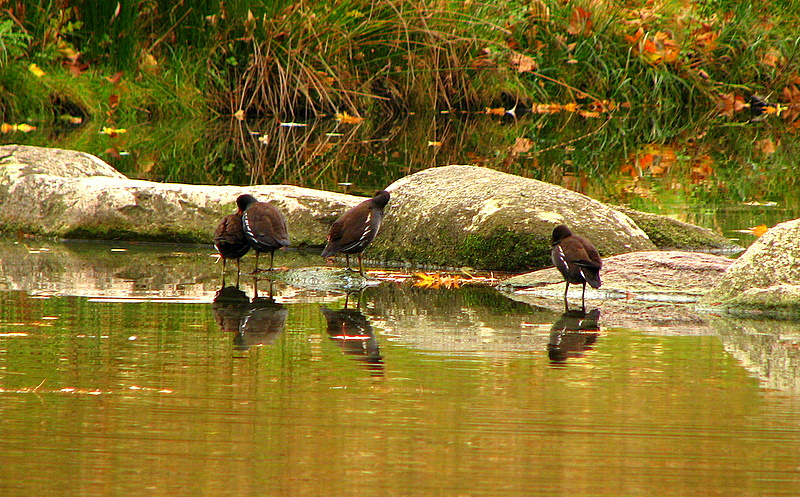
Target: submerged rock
{"x":325,"y":279}
{"x":671,"y":234}
{"x":766,"y":278}
{"x":70,"y":194}
{"x":474,"y":216}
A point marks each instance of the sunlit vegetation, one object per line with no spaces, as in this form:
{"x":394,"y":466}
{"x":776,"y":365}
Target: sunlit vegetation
{"x":301,"y":59}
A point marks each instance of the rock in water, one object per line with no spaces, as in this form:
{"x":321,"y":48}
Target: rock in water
{"x":766,"y":278}
{"x":326,"y":279}
{"x":474,"y":216}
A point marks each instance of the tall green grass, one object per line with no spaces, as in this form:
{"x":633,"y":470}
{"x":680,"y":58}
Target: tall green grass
{"x":303,"y":58}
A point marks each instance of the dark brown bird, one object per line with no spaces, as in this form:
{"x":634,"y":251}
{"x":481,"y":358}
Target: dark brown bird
{"x":230,"y":242}
{"x":264,"y":227}
{"x":576,"y":259}
{"x":356,"y":229}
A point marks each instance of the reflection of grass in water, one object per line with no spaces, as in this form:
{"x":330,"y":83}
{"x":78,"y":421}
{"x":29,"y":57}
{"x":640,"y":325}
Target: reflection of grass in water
{"x":702,"y":168}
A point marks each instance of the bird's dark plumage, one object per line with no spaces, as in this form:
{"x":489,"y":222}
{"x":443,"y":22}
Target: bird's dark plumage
{"x":230,"y":242}
{"x":576,"y":259}
{"x":264,"y":226}
{"x":356,"y":229}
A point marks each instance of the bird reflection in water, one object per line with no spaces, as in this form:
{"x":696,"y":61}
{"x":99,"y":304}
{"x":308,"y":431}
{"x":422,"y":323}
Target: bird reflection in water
{"x":573,"y":334}
{"x":229,"y":308}
{"x":256,"y":322}
{"x":351,"y":330}
{"x":262,"y":324}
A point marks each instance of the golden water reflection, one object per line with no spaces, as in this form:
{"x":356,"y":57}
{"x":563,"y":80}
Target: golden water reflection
{"x":397,"y":391}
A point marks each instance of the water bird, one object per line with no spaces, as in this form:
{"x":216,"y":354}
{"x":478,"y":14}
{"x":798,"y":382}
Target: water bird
{"x":264,"y":227}
{"x":576,"y":259}
{"x":356,"y":228}
{"x":230,"y":242}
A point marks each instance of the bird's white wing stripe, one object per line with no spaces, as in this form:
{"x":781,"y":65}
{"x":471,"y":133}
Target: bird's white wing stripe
{"x":247,"y":228}
{"x":561,"y":255}
{"x":368,"y":227}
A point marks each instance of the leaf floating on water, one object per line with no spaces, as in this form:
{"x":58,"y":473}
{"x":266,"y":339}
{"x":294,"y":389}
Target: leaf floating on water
{"x":437,"y":280}
{"x":760,"y":204}
{"x":346,"y":118}
{"x":755,"y":230}
{"x":10,"y":128}
{"x":112,"y":131}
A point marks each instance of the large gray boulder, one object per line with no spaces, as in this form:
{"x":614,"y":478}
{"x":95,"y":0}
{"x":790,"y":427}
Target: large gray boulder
{"x":766,"y":278}
{"x":71,"y":194}
{"x":474,"y":216}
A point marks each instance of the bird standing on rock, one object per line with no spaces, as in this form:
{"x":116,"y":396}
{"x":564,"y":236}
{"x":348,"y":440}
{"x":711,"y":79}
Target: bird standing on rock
{"x":230,"y":242}
{"x":356,"y":229}
{"x":576,"y":259}
{"x":264,"y":227}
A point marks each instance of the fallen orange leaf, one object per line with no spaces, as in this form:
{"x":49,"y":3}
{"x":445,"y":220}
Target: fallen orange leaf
{"x":580,"y":23}
{"x":523,"y":63}
{"x":115,"y":78}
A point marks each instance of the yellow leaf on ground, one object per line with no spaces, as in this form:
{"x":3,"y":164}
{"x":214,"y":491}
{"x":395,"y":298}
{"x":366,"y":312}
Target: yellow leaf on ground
{"x":36,"y":70}
{"x":25,"y":128}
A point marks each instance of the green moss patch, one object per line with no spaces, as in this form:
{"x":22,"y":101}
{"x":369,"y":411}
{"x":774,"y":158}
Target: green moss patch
{"x":505,"y":250}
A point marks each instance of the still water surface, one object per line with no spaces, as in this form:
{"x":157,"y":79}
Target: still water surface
{"x":120,"y":375}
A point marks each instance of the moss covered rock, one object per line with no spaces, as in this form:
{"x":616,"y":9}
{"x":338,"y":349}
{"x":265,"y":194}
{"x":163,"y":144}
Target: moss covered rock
{"x":766,"y":278}
{"x":671,"y":234}
{"x":474,"y":216}
{"x":70,"y":194}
